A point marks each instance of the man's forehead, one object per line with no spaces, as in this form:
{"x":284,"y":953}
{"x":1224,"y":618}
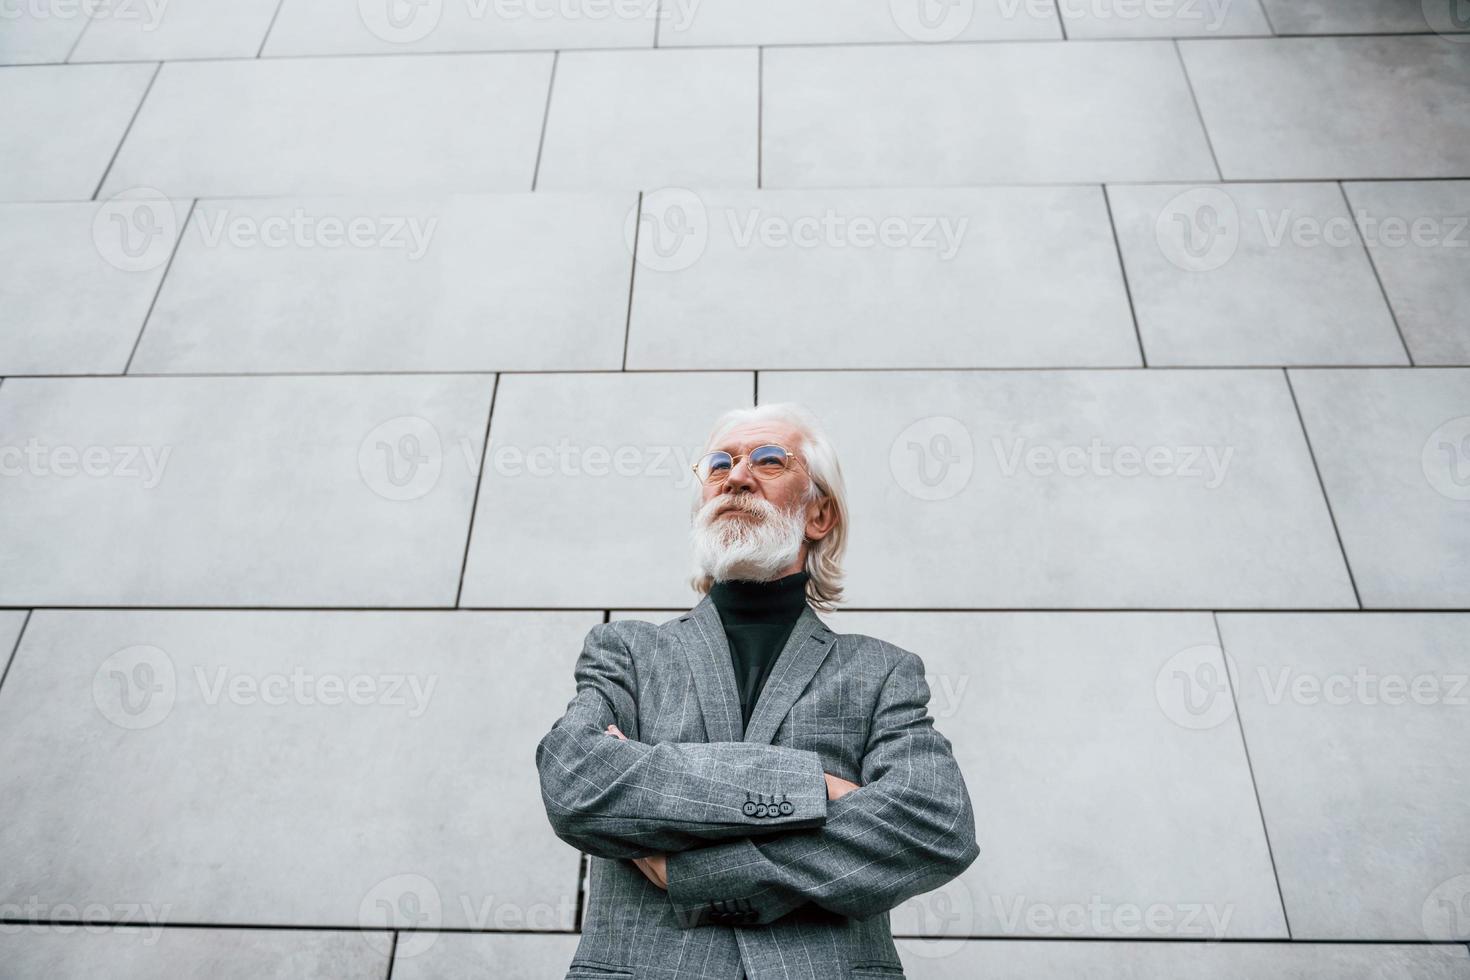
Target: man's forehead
{"x":749,"y":438}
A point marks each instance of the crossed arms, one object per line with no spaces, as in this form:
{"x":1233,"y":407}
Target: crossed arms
{"x":716,"y":809}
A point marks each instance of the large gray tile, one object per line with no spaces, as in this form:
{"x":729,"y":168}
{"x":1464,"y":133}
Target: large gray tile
{"x":1169,"y":18}
{"x":482,"y":279}
{"x":1312,"y":108}
{"x":1075,"y":489}
{"x":298,"y":126}
{"x":910,"y":115}
{"x":292,"y":491}
{"x":1356,"y":725}
{"x":571,"y":491}
{"x":473,"y":957}
{"x":1394,"y":450}
{"x":928,"y":278}
{"x":291,"y":768}
{"x":709,"y":22}
{"x":1096,"y":796}
{"x":1418,"y":233}
{"x":61,"y":124}
{"x":40,"y":33}
{"x":70,"y":953}
{"x":647,"y":119}
{"x":76,"y":281}
{"x":376,"y":26}
{"x":1255,"y":274}
{"x":1363,"y":16}
{"x":1013,"y":960}
{"x":134,"y":30}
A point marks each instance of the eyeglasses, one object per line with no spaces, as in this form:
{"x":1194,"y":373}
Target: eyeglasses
{"x":766,"y":462}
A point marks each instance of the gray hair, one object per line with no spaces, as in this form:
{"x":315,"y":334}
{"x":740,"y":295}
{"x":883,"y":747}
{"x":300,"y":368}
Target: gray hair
{"x":824,"y":557}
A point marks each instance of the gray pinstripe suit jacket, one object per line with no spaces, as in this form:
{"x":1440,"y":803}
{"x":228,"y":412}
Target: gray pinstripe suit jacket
{"x":765,"y":875}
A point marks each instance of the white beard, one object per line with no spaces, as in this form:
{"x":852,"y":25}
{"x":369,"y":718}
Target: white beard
{"x":756,"y":548}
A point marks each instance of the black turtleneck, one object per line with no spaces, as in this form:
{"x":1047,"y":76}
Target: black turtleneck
{"x":758,"y":617}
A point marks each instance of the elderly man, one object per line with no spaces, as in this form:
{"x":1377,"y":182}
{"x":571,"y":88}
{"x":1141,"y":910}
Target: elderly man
{"x":756,"y":790}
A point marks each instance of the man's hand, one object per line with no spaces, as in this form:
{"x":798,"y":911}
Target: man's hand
{"x":656,"y":869}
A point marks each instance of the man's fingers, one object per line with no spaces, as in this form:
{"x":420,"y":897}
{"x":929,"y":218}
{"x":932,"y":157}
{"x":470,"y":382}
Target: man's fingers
{"x":613,"y":730}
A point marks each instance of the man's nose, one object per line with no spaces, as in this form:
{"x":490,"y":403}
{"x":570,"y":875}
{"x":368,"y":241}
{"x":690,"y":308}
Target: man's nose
{"x":740,"y":476}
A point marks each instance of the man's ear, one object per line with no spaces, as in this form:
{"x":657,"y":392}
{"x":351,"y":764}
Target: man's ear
{"x":820,"y":524}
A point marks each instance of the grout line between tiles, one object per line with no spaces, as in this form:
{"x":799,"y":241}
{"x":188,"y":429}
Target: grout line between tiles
{"x":1199,"y":113}
{"x":632,"y":278}
{"x":1251,"y":771}
{"x":1322,"y":485}
{"x":545,"y":121}
{"x":137,"y":111}
{"x":469,"y":534}
{"x":157,"y":292}
{"x":15,"y":648}
{"x":1123,"y":272}
{"x":1373,"y":264}
{"x":269,"y":27}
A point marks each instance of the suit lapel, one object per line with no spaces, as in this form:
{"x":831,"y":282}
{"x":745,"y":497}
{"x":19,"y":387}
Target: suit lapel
{"x":807,"y":646}
{"x":703,"y":638}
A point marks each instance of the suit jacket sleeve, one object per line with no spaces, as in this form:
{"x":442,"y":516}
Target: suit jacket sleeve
{"x":908,"y":829}
{"x":618,"y":799}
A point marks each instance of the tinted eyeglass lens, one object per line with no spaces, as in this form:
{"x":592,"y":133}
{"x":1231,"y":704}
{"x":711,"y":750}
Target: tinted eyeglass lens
{"x":714,"y":466}
{"x":768,"y":460}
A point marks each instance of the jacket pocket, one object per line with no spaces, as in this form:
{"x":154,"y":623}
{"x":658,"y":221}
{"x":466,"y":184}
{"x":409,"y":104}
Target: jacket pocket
{"x":598,"y":971}
{"x":873,"y":971}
